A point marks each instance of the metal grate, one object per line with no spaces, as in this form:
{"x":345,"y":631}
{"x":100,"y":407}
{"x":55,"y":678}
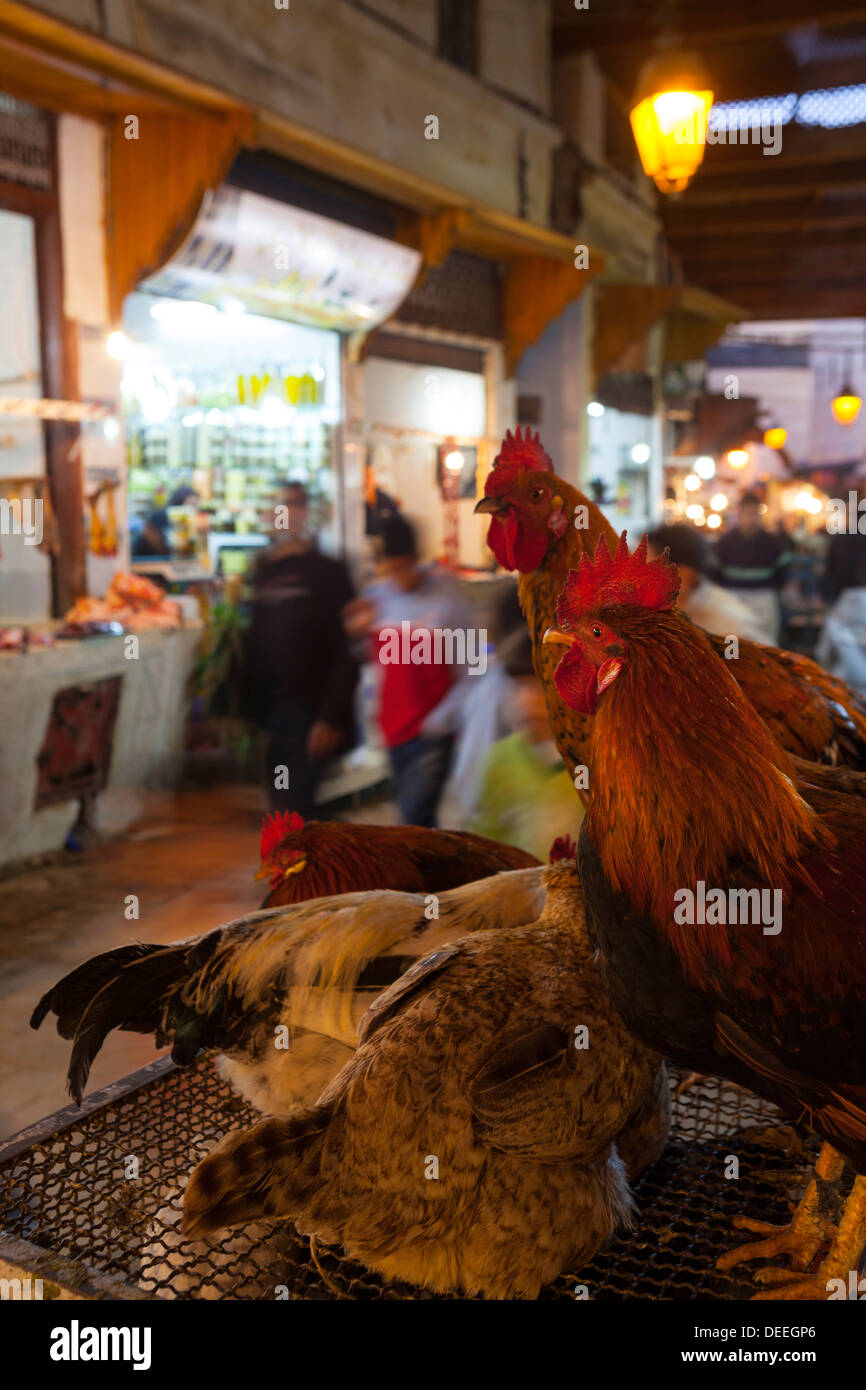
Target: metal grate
{"x":65,"y":1189}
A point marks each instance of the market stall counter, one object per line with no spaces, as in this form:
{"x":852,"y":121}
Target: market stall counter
{"x":94,"y":708}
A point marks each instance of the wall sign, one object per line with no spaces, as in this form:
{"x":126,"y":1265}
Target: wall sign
{"x":25,"y":143}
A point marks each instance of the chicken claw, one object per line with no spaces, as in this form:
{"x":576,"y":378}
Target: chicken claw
{"x":815,"y":1222}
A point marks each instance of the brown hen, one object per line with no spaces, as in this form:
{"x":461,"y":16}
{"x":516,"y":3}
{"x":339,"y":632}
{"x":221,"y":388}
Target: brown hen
{"x":470,"y":1144}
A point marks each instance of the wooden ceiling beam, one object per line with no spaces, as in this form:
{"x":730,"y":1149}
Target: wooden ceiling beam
{"x":783,"y":272}
{"x":622,"y":28}
{"x":809,"y":219}
{"x":743,"y":189}
{"x":770,"y":69}
{"x":802,"y":147}
{"x":760,"y":69}
{"x":752,"y":253}
{"x":707,"y":268}
{"x":836,"y":304}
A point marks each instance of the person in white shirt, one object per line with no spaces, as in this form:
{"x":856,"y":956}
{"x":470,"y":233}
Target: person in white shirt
{"x":708,"y":605}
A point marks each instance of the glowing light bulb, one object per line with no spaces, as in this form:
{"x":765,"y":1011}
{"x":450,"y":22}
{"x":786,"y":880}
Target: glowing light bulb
{"x":117,"y":345}
{"x":691,"y":482}
{"x":738,"y":458}
{"x":705,"y":467}
{"x":714,"y":521}
{"x":846,"y":406}
{"x":718,"y":502}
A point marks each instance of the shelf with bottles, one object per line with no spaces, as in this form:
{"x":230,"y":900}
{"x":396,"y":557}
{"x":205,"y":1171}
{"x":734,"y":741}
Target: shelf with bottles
{"x":197,"y":442}
{"x":229,"y":494}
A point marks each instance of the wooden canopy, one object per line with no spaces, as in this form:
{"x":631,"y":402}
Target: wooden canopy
{"x":169,"y":139}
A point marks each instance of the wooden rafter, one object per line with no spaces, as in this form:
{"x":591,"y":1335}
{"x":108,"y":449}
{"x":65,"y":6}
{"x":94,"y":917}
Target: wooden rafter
{"x":623,"y":25}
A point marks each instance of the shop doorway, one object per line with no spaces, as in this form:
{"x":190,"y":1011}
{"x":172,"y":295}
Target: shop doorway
{"x":25,"y":572}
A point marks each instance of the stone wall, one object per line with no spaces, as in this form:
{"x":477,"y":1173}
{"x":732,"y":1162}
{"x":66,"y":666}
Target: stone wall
{"x":336,"y":68}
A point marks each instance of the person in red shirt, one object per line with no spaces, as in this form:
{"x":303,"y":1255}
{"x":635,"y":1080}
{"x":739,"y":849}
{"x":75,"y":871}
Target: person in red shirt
{"x":421,"y":682}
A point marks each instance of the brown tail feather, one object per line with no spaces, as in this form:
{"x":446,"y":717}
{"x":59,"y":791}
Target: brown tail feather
{"x":266,"y":1171}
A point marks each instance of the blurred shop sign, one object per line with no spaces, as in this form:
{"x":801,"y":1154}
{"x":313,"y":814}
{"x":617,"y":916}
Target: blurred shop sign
{"x":270,"y":258}
{"x":25,"y":143}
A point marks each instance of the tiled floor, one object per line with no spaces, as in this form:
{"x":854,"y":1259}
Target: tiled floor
{"x":191,"y":863}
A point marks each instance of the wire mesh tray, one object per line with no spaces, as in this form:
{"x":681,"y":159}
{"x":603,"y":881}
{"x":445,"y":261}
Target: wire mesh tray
{"x":73,"y":1209}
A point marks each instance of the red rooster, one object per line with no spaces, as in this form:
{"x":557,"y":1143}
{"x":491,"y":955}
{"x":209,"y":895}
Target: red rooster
{"x":541,"y":526}
{"x":322,"y":858}
{"x":728,"y":905}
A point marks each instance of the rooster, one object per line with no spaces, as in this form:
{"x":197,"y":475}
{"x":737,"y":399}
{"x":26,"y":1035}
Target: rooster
{"x":541,"y":526}
{"x":322,"y":858}
{"x":694,"y":822}
{"x":470,"y":1144}
{"x":277,"y":994}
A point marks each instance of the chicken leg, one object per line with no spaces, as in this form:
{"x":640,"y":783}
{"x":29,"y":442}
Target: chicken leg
{"x":816,"y":1220}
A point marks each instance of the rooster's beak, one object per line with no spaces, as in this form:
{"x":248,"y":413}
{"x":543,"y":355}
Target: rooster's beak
{"x":490,"y":505}
{"x":561,"y":639}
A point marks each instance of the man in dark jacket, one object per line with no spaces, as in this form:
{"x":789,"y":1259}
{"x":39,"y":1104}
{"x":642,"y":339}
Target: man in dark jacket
{"x":845,"y":563}
{"x":753,"y":563}
{"x":300,"y":672}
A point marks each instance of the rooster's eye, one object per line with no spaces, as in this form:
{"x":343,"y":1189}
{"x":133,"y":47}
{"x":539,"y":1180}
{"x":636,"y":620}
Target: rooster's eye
{"x":536,"y":493}
{"x":596,"y":632}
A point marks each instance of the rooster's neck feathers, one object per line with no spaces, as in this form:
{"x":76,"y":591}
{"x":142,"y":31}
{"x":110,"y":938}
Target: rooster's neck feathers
{"x":687,"y":782}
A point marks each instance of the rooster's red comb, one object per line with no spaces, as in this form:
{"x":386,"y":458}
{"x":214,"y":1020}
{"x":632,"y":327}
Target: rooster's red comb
{"x":523,"y":450}
{"x":614,"y":581}
{"x":563,"y":847}
{"x":276,"y":827}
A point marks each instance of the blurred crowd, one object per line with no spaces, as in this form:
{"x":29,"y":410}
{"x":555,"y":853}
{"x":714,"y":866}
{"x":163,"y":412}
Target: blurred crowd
{"x":482,"y":728}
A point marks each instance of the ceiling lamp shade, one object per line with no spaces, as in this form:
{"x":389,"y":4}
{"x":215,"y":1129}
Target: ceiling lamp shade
{"x":668,"y":117}
{"x":846,"y":406}
{"x":775,"y":438}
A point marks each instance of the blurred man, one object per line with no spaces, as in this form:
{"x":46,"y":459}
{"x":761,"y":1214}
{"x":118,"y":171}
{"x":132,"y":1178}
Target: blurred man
{"x":152,"y":539}
{"x":753,"y":563}
{"x":420,"y":695}
{"x":713,"y":608}
{"x":379,"y":506}
{"x":845,"y":560}
{"x":301,"y":676}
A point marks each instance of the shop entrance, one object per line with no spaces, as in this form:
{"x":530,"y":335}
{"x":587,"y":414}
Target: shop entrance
{"x":26,"y":571}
